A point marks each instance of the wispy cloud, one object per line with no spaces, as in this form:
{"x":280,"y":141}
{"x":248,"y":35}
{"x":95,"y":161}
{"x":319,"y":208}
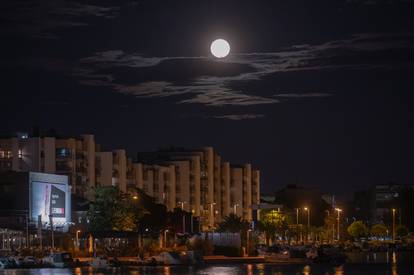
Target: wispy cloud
{"x":238,"y":116}
{"x":42,"y":19}
{"x":302,"y":95}
{"x":356,"y":52}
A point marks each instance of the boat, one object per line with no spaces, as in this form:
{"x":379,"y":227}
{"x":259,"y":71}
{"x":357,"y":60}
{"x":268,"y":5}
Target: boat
{"x":99,"y":262}
{"x":167,"y":258}
{"x":59,"y":259}
{"x":6,"y":262}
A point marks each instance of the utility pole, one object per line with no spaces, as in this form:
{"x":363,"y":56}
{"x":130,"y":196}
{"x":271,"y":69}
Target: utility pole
{"x":51,"y":228}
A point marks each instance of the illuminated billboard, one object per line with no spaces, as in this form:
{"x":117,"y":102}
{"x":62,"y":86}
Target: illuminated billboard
{"x":49,"y":199}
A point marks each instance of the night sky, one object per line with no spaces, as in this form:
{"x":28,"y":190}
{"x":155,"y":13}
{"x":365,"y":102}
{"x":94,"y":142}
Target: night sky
{"x":315,"y":93}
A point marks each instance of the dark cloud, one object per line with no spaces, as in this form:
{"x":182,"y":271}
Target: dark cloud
{"x":43,"y":19}
{"x":211,"y":82}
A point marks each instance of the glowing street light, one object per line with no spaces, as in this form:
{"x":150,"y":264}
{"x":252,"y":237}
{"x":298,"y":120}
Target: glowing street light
{"x":77,"y":238}
{"x":393,"y":224}
{"x":339,"y":211}
{"x":235,"y":208}
{"x":212,"y":213}
{"x":308,"y":210}
{"x":165,"y":238}
{"x":182,"y":209}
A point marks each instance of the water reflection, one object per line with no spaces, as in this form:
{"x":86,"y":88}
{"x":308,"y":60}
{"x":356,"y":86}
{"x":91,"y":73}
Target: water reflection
{"x":339,"y":270}
{"x":306,"y":270}
{"x":233,"y":269}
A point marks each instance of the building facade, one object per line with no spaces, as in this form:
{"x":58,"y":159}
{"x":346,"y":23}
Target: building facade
{"x":197,"y":180}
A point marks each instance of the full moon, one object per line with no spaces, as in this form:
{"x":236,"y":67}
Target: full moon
{"x":220,"y":48}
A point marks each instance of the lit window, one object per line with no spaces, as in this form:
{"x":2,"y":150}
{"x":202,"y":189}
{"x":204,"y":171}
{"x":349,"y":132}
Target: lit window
{"x":20,"y":154}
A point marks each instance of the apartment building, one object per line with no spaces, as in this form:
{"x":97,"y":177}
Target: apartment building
{"x":208,"y":186}
{"x":78,"y":158}
{"x":197,"y":180}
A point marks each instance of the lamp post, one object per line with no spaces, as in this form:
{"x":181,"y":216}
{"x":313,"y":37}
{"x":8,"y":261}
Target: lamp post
{"x":192,"y":220}
{"x":77,"y":238}
{"x":248,"y":241}
{"x":308,"y":210}
{"x":393,"y":224}
{"x":297,"y":217}
{"x":212,"y":213}
{"x":235,"y":208}
{"x":297,"y":223}
{"x":52,"y":235}
{"x":182,"y":209}
{"x":165,"y":238}
{"x":339,"y":211}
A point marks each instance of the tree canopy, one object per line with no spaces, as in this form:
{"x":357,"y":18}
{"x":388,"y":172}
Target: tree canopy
{"x":357,"y":230}
{"x":379,"y":230}
{"x":113,"y":210}
{"x":233,"y":223}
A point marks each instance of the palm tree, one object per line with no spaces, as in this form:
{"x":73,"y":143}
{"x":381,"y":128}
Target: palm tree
{"x":233,"y":223}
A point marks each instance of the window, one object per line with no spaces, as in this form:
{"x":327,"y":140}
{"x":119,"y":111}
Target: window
{"x":62,"y":152}
{"x":20,"y":154}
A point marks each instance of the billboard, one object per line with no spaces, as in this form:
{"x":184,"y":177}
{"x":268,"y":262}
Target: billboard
{"x":49,"y":198}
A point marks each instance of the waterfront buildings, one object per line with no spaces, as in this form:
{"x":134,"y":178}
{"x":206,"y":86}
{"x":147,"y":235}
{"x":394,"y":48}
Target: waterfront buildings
{"x":197,"y":180}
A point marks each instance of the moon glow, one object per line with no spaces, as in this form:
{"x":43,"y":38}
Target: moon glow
{"x":220,"y":48}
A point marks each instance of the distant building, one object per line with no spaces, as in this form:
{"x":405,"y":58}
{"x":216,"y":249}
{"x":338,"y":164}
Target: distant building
{"x":383,"y":198}
{"x":78,"y":158}
{"x":206,"y":185}
{"x":197,"y":180}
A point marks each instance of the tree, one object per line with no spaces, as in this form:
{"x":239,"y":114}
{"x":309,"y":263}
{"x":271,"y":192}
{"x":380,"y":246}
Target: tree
{"x":401,"y":231}
{"x":113,"y":210}
{"x":357,"y":230}
{"x":233,"y":223}
{"x":379,"y":230}
{"x":272,"y":223}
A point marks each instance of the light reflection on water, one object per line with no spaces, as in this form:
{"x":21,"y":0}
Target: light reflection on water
{"x":249,"y":269}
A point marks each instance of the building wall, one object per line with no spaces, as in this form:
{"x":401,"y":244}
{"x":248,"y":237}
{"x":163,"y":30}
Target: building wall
{"x":182,"y":177}
{"x":88,"y":148}
{"x":236,"y":193}
{"x":119,"y":175}
{"x":247,"y":192}
{"x":104,"y":164}
{"x":226,"y":208}
{"x":218,"y":214}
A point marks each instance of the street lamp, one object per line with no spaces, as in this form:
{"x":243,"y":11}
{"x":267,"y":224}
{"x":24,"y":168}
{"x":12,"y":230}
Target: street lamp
{"x":212,"y":213}
{"x":308,"y":210}
{"x":135,"y":197}
{"x":297,"y":217}
{"x":248,"y":241}
{"x":192,"y":220}
{"x":182,"y":209}
{"x":77,"y":238}
{"x":339,"y":211}
{"x":393,"y":224}
{"x":165,"y":237}
{"x":235,"y":208}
